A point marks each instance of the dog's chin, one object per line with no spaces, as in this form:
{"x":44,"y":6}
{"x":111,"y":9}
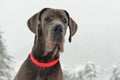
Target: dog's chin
{"x":59,"y":48}
{"x":55,"y":48}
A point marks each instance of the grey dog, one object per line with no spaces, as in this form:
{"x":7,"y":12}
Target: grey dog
{"x":49,"y":26}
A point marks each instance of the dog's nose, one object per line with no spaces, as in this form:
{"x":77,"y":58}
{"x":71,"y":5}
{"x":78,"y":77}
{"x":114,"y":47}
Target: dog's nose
{"x":58,"y":29}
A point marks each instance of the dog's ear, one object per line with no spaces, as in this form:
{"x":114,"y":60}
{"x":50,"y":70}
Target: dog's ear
{"x":34,"y":21}
{"x":72,"y":26}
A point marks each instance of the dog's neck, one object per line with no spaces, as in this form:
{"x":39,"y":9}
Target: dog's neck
{"x":39,"y":50}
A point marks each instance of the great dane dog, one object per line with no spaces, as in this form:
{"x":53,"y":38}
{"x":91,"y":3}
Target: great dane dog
{"x":49,"y":26}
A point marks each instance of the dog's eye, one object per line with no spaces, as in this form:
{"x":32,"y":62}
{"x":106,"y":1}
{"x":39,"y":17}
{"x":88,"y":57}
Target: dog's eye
{"x":49,"y":18}
{"x":64,"y":20}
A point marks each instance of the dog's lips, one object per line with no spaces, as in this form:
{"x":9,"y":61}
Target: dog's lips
{"x":56,"y":47}
{"x":59,"y":47}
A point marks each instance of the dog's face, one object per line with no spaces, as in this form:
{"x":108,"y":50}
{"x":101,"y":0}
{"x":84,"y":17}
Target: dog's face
{"x":54,"y":24}
{"x":50,"y":25}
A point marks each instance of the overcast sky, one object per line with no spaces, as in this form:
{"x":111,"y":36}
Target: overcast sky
{"x":97,"y":38}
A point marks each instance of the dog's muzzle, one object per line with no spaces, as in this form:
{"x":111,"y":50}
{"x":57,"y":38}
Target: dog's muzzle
{"x":57,"y":32}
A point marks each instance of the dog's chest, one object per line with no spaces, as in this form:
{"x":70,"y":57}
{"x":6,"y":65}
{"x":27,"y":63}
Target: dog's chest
{"x":38,"y":78}
{"x":44,"y":75}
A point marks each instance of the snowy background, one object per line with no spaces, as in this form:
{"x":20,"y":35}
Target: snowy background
{"x":97,"y":39}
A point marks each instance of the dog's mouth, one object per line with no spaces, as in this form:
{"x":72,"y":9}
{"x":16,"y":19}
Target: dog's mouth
{"x":57,"y":48}
{"x":54,"y":46}
{"x":58,"y":45}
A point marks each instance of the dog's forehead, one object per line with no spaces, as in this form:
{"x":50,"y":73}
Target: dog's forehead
{"x":57,"y":12}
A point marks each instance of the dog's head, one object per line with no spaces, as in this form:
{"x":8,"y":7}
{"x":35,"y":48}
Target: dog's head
{"x":50,"y":25}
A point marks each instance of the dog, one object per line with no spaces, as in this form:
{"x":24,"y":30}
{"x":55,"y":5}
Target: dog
{"x":49,"y":26}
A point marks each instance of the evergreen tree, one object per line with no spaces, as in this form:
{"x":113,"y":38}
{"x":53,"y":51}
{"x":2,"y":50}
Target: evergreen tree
{"x":116,"y":73}
{"x":90,"y":72}
{"x":5,"y":59}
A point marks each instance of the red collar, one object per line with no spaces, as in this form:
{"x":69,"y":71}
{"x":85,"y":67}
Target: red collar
{"x":42,"y":64}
